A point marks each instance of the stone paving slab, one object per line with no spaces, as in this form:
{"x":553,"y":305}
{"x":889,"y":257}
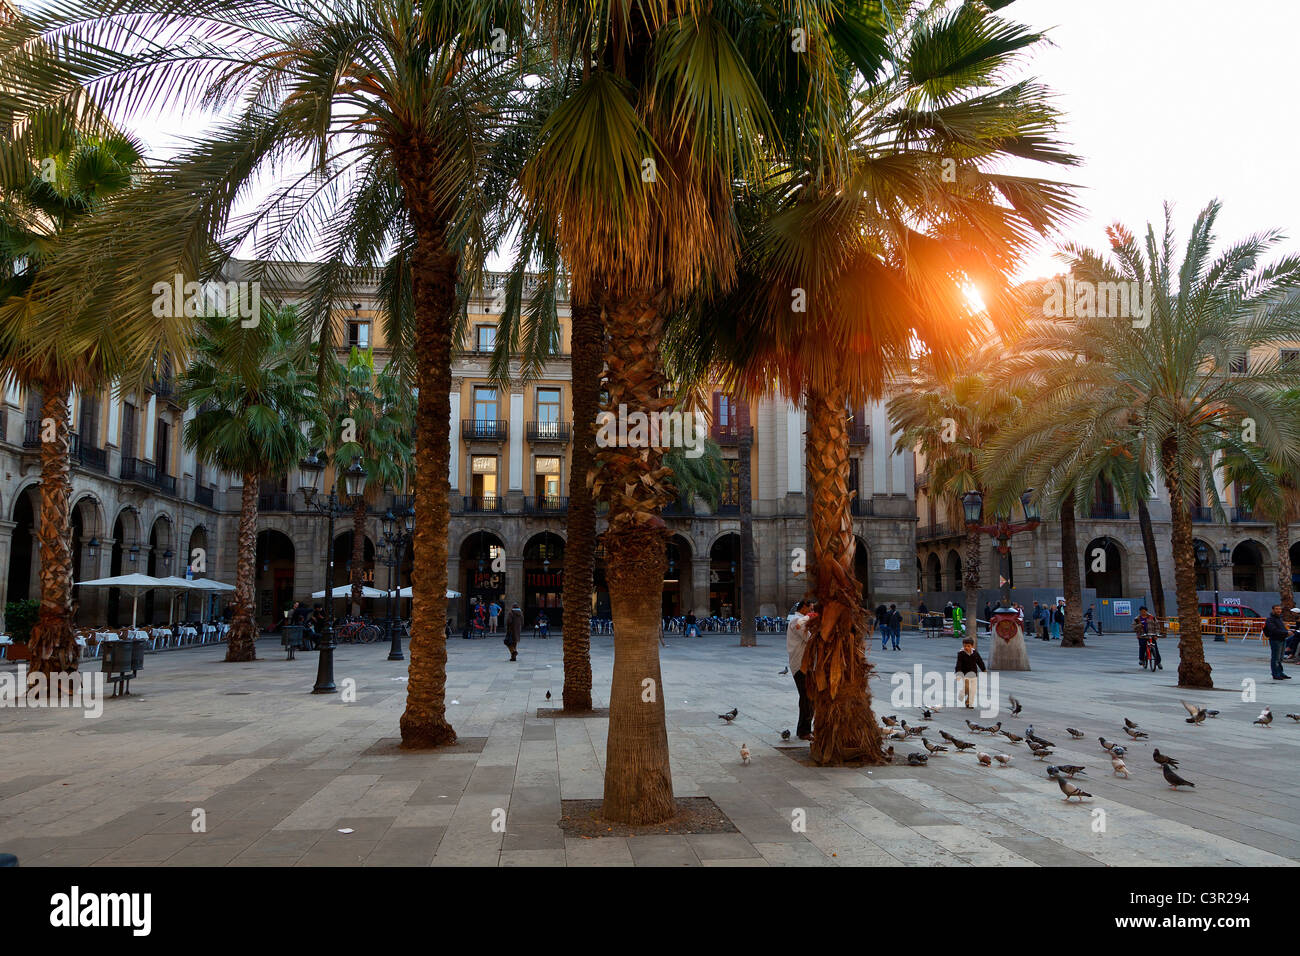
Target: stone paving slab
{"x":279,"y":772}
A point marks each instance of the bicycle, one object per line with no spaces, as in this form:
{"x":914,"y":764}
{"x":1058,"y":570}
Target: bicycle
{"x":1148,"y":656}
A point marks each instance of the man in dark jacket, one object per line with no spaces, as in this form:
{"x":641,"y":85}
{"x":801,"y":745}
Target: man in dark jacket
{"x":1276,"y":632}
{"x":1147,"y":626}
{"x":882,"y":623}
{"x":514,"y":628}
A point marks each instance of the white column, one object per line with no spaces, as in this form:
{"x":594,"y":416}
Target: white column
{"x":880,"y":444}
{"x":114,"y":415}
{"x":516,"y":441}
{"x":794,"y":471}
{"x":150,"y":424}
{"x":455,"y":439}
{"x":899,"y":484}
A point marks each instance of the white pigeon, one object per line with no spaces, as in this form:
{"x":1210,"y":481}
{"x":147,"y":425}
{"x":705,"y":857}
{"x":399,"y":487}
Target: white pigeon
{"x":744,"y":754}
{"x":984,"y":759}
{"x":1265,"y":717}
{"x":1117,"y":764}
{"x":1003,"y":759}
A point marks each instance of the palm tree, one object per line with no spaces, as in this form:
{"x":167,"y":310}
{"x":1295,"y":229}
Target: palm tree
{"x":1279,"y":501}
{"x":370,"y":417}
{"x":1195,"y":377}
{"x":393,"y":108}
{"x":635,"y":166}
{"x":256,"y":402}
{"x":51,"y":194}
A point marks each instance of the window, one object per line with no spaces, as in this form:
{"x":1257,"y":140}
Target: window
{"x":359,"y":335}
{"x":731,"y":489}
{"x":128,"y":430}
{"x":485,"y":404}
{"x":548,"y":405}
{"x":88,"y":426}
{"x":546,"y":477}
{"x":1239,"y":364}
{"x":1288,"y":356}
{"x":485,"y":338}
{"x":483,"y":476}
{"x":724,"y":412}
{"x":162,"y":446}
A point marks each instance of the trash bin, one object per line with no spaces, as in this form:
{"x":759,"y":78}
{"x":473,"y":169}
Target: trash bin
{"x":122,"y":661}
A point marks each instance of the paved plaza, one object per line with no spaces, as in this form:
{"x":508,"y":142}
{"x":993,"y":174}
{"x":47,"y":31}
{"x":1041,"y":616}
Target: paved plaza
{"x":284,"y":777}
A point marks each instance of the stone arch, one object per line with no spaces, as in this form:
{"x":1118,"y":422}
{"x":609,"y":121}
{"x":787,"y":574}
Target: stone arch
{"x":1104,"y":561}
{"x":953,"y":570}
{"x":862,"y":569}
{"x":933,"y":573}
{"x":275,"y":574}
{"x":724,"y":574}
{"x":1250,"y":558}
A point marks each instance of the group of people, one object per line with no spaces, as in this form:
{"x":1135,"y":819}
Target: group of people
{"x":485,"y":617}
{"x":312,"y":622}
{"x":889,"y":621}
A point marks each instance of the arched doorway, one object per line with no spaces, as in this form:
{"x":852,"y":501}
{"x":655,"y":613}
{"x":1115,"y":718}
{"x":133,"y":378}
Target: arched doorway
{"x":1204,"y":577}
{"x":677,"y":577}
{"x":22,"y":549}
{"x":544,"y":579}
{"x":934,"y":572}
{"x":1103,"y":566}
{"x":275,"y":573}
{"x":954,"y":570}
{"x":160,"y":563}
{"x":862,"y":569}
{"x":483,"y":572}
{"x":343,"y":563}
{"x":198,"y":605}
{"x":124,"y":559}
{"x":724,"y":575}
{"x":1248,"y":566}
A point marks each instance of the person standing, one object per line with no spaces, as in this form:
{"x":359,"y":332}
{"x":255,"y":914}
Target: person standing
{"x":895,"y":625}
{"x":1147,"y":627}
{"x":882,"y":624}
{"x":958,"y":621}
{"x":514,"y":630}
{"x":1088,"y":623}
{"x":988,"y":616}
{"x":542,"y":625}
{"x":692,"y":629}
{"x":480,"y":620}
{"x":1276,"y":632}
{"x":1292,"y":642}
{"x":796,"y":642}
{"x":1058,"y":621}
{"x":494,"y":612}
{"x":969,"y":664}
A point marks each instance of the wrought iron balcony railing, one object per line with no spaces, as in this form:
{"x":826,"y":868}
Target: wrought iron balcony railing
{"x":550,"y":431}
{"x":484,"y":429}
{"x":546,"y":505}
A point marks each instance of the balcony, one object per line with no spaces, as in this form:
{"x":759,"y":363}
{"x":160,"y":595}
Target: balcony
{"x":32,"y":433}
{"x":1200,"y":513}
{"x":862,"y":507}
{"x":560,"y":432}
{"x":163,"y":387}
{"x":203,"y":496}
{"x":483,"y":429}
{"x":87,"y":456}
{"x":930,"y":532}
{"x":274,"y":501}
{"x":678,"y":509}
{"x":859,"y":432}
{"x":727,"y":508}
{"x":546,"y":505}
{"x":1248,"y":514}
{"x":147,"y":473}
{"x":1107,"y":511}
{"x":728,"y":433}
{"x":484,"y":503}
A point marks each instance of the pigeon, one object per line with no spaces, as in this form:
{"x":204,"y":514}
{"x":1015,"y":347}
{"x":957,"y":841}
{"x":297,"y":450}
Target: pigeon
{"x":1076,"y":734}
{"x":889,"y":752}
{"x":1040,"y":752}
{"x":729,"y":717}
{"x":898,"y":733}
{"x":917,"y":731}
{"x":1175,"y":781}
{"x":1135,"y":734}
{"x":1165,"y":759}
{"x":1129,"y":724}
{"x":1106,"y":744}
{"x":1030,"y":735}
{"x":934,"y":749}
{"x":1118,"y":767}
{"x":1015,"y":706}
{"x":1295,"y":717}
{"x":1069,"y":789}
{"x":947,"y":736}
{"x":785,"y":734}
{"x":548,"y":695}
{"x":744,"y":753}
{"x":1118,"y":751}
{"x":984,"y":759}
{"x":917,"y":759}
{"x":1265,"y":717}
{"x":1003,"y":759}
{"x":890,"y":721}
{"x":1070,"y":770}
{"x":961,"y":744}
{"x":783,"y":671}
{"x":974,"y":727}
{"x":1198,"y":714}
{"x":1211,"y":713}
{"x":1014,"y":738}
{"x":927,"y":713}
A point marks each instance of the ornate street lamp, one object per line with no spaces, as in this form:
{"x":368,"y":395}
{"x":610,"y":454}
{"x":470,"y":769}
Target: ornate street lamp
{"x":1222,"y":561}
{"x":1009,"y":652}
{"x":396,"y":537}
{"x":354,"y":487}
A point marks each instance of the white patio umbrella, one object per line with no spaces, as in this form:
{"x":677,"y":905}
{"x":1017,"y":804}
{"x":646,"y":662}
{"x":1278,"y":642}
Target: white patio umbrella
{"x":345,"y":590}
{"x":406,"y":592}
{"x":176,"y":584}
{"x":135,"y":583}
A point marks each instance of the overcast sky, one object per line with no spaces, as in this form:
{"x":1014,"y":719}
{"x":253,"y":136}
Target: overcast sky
{"x":1185,"y":100}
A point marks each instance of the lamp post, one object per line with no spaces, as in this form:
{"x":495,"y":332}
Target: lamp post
{"x":397,"y":535}
{"x":1009,"y":651}
{"x":354,"y":487}
{"x":1214,"y":562}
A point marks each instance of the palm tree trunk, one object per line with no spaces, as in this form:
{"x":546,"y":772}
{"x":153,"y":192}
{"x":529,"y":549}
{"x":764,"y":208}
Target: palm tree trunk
{"x":844,"y":727}
{"x":241,"y":642}
{"x":52,"y":645}
{"x":971,"y":582}
{"x":588,"y":348}
{"x":1193,"y":670}
{"x":1073,"y":634}
{"x":1153,"y":558}
{"x":748,"y":597}
{"x":1287,"y":592}
{"x":638,"y":779}
{"x":358,"y":553}
{"x":424,"y":722}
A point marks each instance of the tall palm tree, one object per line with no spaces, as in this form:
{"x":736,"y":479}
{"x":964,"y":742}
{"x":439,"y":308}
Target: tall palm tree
{"x":47,"y":192}
{"x":1279,"y":501}
{"x":256,"y":404}
{"x":376,"y":123}
{"x":635,"y":166}
{"x":1195,"y":378}
{"x":371,"y":416}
